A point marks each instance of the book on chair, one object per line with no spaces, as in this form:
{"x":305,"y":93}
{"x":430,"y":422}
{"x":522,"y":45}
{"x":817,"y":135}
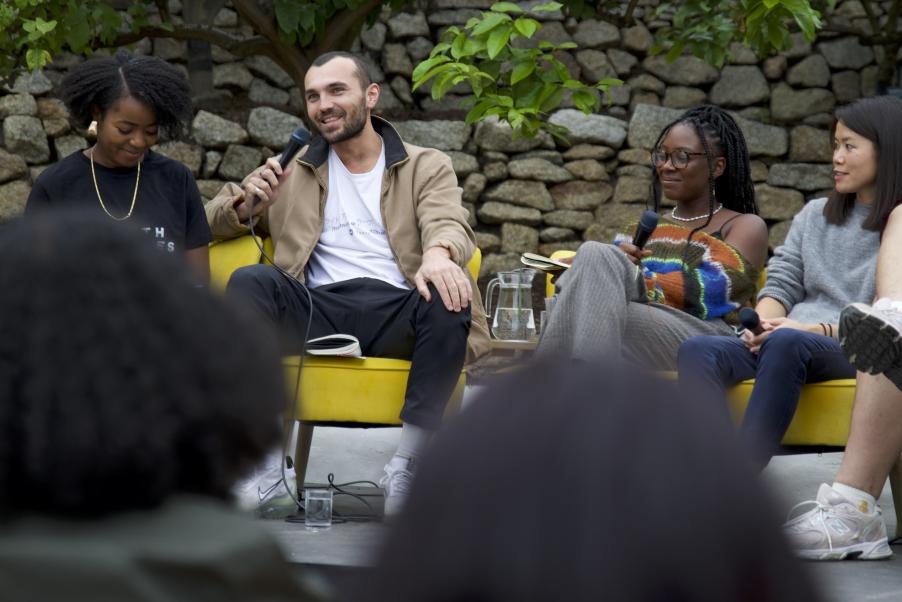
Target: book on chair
{"x":542,"y":263}
{"x":344,"y":345}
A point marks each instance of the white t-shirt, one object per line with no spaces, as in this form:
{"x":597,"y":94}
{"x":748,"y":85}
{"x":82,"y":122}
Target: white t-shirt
{"x":353,"y":243}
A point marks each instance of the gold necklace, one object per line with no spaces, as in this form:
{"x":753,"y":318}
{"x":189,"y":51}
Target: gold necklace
{"x":100,"y":198}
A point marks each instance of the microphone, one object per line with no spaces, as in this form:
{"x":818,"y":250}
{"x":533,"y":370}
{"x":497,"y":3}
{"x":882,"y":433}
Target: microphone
{"x":647,"y":224}
{"x":749,"y":319}
{"x":299,"y":139}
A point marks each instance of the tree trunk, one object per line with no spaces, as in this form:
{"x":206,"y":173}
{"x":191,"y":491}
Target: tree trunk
{"x":200,"y":58}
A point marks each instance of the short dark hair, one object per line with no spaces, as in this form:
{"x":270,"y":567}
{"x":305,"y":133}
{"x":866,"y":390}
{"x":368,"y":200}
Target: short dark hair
{"x":361,"y":70}
{"x":121,"y":382}
{"x":629,"y":462}
{"x":879,"y":119}
{"x":151,"y":80}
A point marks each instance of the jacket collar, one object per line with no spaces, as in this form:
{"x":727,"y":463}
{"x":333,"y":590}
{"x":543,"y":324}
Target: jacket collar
{"x":395,"y":153}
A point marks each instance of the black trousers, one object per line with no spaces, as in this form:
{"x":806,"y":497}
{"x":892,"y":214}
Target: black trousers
{"x":388,"y":321}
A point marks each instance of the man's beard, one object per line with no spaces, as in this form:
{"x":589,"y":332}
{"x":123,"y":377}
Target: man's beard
{"x":355,"y":121}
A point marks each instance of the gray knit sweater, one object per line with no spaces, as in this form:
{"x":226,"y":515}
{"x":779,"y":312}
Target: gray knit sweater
{"x":821,"y":267}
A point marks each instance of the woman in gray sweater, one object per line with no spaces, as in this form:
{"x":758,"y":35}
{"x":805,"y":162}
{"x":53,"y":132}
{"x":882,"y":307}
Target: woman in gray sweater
{"x":827,"y":262}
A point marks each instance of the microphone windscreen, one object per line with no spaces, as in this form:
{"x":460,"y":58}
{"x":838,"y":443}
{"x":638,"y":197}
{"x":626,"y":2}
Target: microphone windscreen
{"x":648,"y":221}
{"x":749,"y":319}
{"x":299,"y":138}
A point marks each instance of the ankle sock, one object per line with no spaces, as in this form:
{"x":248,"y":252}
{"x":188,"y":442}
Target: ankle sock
{"x":414,"y":440}
{"x":863,"y":500}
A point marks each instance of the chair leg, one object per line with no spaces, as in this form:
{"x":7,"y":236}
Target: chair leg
{"x":895,"y":484}
{"x":302,"y":454}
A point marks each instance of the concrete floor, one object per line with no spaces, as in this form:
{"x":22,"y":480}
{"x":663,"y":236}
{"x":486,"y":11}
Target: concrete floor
{"x":352,"y":454}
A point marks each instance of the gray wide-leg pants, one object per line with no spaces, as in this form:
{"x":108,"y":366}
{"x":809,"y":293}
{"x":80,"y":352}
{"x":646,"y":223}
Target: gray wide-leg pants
{"x":601,"y":310}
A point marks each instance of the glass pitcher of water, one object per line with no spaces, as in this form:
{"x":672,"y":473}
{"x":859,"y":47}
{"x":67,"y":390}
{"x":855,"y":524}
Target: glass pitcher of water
{"x":513,"y":319}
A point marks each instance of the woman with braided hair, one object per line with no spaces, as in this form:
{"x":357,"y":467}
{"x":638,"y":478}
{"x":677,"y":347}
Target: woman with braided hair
{"x":133,"y":99}
{"x":697,"y":269}
{"x":828,"y":261}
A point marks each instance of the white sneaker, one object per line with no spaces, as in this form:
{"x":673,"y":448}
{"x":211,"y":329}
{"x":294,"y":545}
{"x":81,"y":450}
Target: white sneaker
{"x":263,"y":491}
{"x":835,"y":529}
{"x":871,"y":335}
{"x":396,"y":483}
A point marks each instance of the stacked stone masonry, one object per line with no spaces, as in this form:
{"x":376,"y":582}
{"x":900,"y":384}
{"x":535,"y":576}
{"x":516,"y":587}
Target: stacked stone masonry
{"x":522,"y":195}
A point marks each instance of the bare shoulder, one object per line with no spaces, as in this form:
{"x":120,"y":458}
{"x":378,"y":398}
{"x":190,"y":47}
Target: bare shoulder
{"x":748,"y":234}
{"x":747,"y":225}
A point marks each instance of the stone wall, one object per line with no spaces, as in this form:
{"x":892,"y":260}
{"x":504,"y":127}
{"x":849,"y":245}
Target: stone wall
{"x":522,"y":195}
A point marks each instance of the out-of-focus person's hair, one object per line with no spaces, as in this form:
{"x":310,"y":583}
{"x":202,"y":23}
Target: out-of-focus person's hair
{"x":586,"y":484}
{"x":879,"y":119}
{"x":121,"y":382}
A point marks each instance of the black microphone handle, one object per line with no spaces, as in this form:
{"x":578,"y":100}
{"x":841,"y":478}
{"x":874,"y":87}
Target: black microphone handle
{"x":299,"y":138}
{"x":641,"y":238}
{"x":749,"y":319}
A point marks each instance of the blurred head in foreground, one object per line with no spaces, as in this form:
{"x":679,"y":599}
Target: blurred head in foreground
{"x":569,"y":483}
{"x":120,"y":382}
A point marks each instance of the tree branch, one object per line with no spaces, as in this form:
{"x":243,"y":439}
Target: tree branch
{"x":865,"y":38}
{"x":628,"y":16}
{"x":163,"y":9}
{"x":872,"y":18}
{"x":239,"y":46}
{"x":343,"y":28}
{"x":262,"y":23}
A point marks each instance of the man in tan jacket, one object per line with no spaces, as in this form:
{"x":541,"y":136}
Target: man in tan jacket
{"x":376,"y":229}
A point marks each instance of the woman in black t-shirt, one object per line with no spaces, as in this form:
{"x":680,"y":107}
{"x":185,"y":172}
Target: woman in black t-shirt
{"x":132,"y":99}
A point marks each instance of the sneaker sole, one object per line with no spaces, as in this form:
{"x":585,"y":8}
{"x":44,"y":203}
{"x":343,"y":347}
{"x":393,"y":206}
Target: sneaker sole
{"x":872,"y":550}
{"x":894,"y":374}
{"x":870,"y":343}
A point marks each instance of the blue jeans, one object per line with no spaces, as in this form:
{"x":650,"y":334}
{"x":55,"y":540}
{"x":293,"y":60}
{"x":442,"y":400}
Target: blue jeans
{"x":787,"y":359}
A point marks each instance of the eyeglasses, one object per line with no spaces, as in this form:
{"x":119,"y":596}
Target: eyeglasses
{"x":678,"y":158}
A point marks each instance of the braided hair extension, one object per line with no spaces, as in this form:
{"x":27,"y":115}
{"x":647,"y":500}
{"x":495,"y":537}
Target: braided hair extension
{"x":720,"y":135}
{"x":101,"y":82}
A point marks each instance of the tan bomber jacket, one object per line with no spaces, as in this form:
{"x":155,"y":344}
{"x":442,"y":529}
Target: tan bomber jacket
{"x":421,"y":208}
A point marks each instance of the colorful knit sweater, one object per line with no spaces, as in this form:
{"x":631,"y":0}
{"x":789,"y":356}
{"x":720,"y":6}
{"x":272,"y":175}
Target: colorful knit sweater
{"x":710,"y":280}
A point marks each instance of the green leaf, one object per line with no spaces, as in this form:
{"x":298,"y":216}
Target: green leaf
{"x":43,"y":26}
{"x":497,"y":40}
{"x":506,"y":7}
{"x":526,"y":27}
{"x":459,"y":44}
{"x":427,"y":65}
{"x":434,"y":72}
{"x":78,"y":34}
{"x":440,"y":48}
{"x":547,"y":7}
{"x":478,"y":111}
{"x":442,"y":84}
{"x":36,"y":58}
{"x":675,"y":52}
{"x":522,"y":71}
{"x":491,"y":21}
{"x":288,"y":14}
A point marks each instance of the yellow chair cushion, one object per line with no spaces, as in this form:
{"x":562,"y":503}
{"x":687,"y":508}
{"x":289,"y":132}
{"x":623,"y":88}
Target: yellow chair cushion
{"x":354,"y":390}
{"x":549,"y":287}
{"x":822,"y":417}
{"x":226,"y":256}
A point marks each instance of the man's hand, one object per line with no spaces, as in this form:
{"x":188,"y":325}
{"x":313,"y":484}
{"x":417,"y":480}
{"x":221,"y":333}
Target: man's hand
{"x":263,"y":184}
{"x":449,"y":279}
{"x":754,"y":341}
{"x":633,"y":253}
